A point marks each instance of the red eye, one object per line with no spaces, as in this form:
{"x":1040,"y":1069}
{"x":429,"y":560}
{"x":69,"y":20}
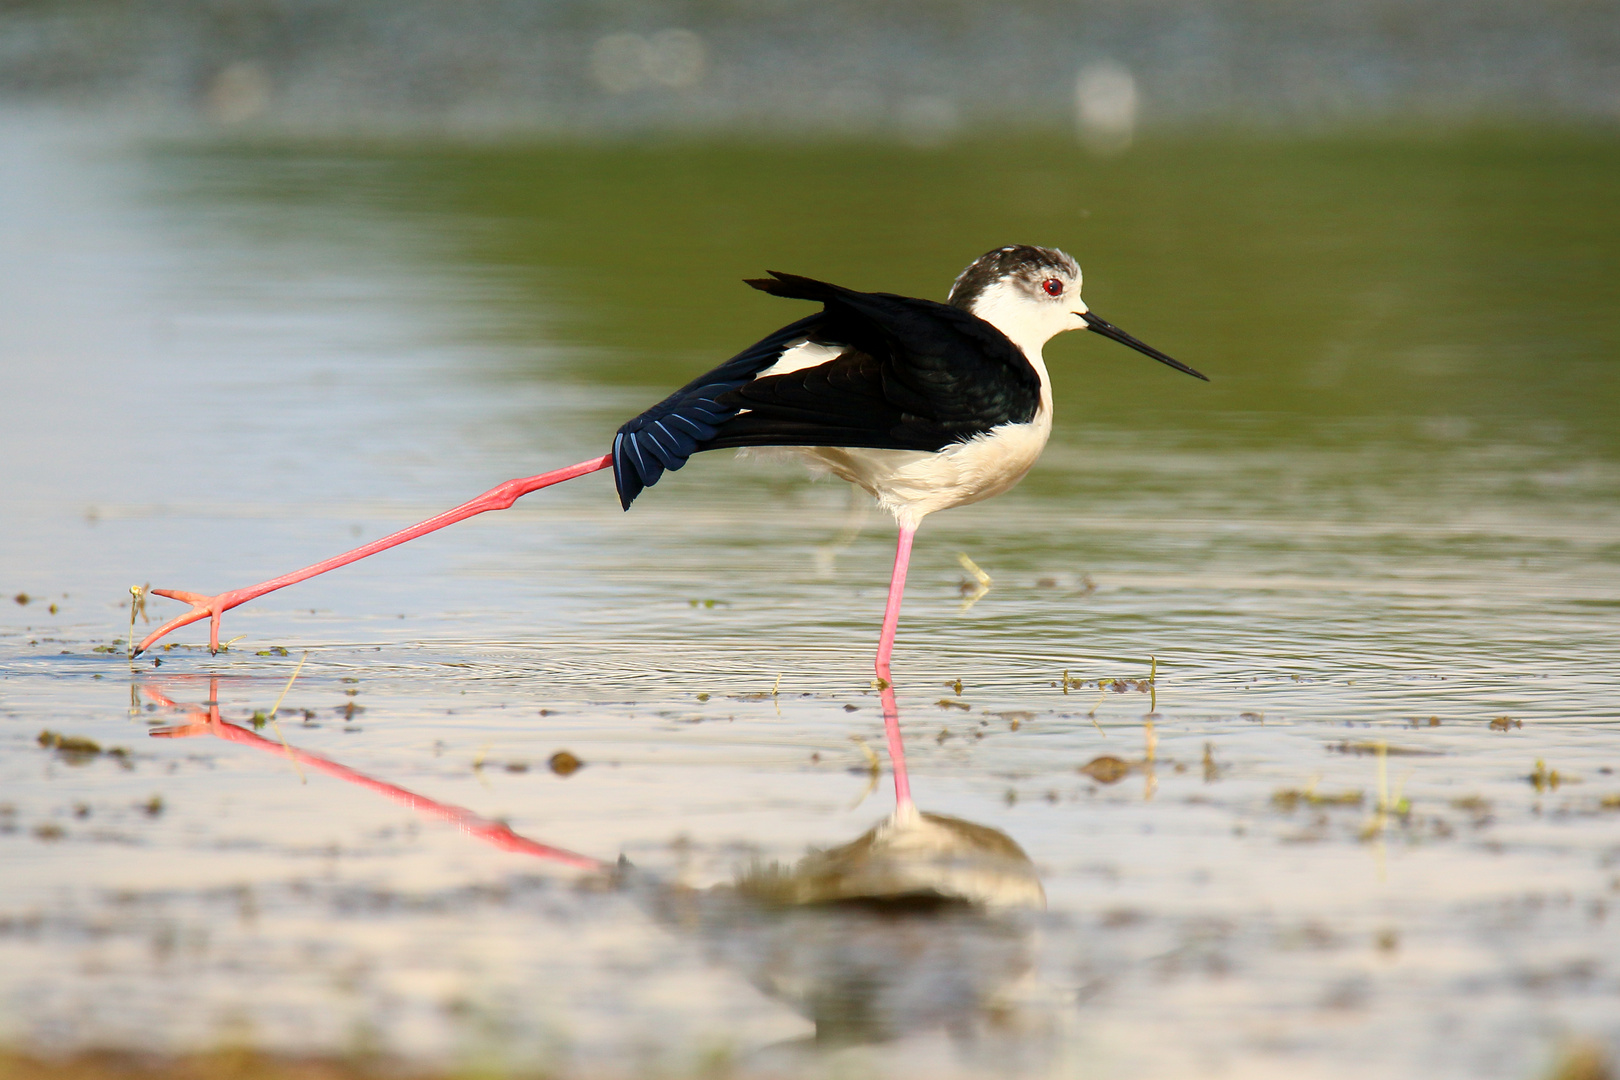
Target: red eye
{"x":1053,"y":286}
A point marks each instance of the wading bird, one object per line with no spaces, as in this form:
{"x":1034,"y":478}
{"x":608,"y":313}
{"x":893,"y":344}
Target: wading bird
{"x":924,"y":405}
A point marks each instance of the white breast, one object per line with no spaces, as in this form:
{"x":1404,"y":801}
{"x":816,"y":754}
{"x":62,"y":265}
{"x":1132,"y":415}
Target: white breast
{"x":912,"y":484}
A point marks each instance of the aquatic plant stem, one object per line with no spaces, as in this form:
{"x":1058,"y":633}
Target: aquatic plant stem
{"x":497,"y":498}
{"x":277,"y":708}
{"x":891,"y":711}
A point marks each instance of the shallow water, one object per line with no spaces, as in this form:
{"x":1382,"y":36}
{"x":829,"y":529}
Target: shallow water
{"x":1378,"y":556}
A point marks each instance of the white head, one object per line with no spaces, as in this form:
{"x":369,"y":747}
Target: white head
{"x":1032,"y":294}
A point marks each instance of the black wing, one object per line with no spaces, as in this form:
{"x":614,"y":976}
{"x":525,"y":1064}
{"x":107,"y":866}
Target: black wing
{"x":667,"y":434}
{"x":914,"y":375}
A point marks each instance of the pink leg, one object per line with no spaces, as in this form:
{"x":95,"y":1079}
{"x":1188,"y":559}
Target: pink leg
{"x":891,"y":711}
{"x":496,"y":498}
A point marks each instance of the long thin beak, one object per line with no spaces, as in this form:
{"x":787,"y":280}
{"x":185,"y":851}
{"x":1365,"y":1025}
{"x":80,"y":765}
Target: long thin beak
{"x":1109,"y":330}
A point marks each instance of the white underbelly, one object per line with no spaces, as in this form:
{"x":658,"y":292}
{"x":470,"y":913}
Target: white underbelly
{"x":911,"y":484}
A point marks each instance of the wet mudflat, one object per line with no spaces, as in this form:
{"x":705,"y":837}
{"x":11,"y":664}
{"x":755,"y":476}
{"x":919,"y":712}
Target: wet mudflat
{"x":1363,"y":587}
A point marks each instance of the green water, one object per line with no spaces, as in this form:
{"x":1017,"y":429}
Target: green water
{"x":1465,"y":277}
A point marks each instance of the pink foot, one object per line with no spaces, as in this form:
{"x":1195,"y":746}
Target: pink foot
{"x":202,"y":607}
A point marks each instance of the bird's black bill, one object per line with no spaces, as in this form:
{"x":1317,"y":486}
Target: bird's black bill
{"x":1109,"y":330}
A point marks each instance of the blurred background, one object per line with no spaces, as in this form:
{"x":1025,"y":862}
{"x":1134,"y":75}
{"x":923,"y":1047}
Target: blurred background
{"x":921,"y":70}
{"x":1329,"y":198}
{"x":278,"y":276}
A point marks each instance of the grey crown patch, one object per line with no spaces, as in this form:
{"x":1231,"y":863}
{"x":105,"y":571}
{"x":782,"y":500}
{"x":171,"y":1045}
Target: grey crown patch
{"x":1017,"y":260}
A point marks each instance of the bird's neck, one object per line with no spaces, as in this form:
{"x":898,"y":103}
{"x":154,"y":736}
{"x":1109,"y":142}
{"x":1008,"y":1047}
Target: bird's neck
{"x":1030,"y":346}
{"x":1039,"y":364}
{"x":1009,"y":314}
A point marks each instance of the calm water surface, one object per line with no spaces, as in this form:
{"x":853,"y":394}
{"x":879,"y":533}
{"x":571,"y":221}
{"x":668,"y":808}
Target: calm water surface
{"x":1373,"y":570}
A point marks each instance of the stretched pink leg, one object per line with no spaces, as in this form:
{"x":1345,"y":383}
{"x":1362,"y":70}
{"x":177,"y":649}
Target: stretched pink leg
{"x":205,"y":720}
{"x":891,"y":711}
{"x":496,"y":498}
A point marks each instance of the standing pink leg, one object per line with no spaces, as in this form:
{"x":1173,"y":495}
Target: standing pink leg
{"x":496,"y":498}
{"x":891,"y":711}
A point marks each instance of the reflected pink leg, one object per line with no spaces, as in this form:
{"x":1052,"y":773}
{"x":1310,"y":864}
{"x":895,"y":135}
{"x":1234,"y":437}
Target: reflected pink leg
{"x":205,"y":720}
{"x":891,"y":711}
{"x":496,"y":498}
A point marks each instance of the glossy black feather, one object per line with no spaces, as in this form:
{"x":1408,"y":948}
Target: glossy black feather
{"x":667,"y":434}
{"x":914,"y":375}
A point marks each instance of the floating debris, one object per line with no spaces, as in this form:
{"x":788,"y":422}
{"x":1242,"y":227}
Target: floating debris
{"x":1545,"y":779}
{"x":564,"y":764}
{"x":1085,"y":588}
{"x":1505,"y":723}
{"x":74,"y":749}
{"x":1364,"y":749}
{"x":1291,"y":798}
{"x":1118,"y":686}
{"x":1107,"y":769}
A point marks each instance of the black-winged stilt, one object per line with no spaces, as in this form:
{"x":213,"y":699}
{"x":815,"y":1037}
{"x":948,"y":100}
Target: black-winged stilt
{"x":924,"y":405}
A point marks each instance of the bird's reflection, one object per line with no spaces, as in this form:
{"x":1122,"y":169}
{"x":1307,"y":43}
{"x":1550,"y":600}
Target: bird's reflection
{"x":922,"y":923}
